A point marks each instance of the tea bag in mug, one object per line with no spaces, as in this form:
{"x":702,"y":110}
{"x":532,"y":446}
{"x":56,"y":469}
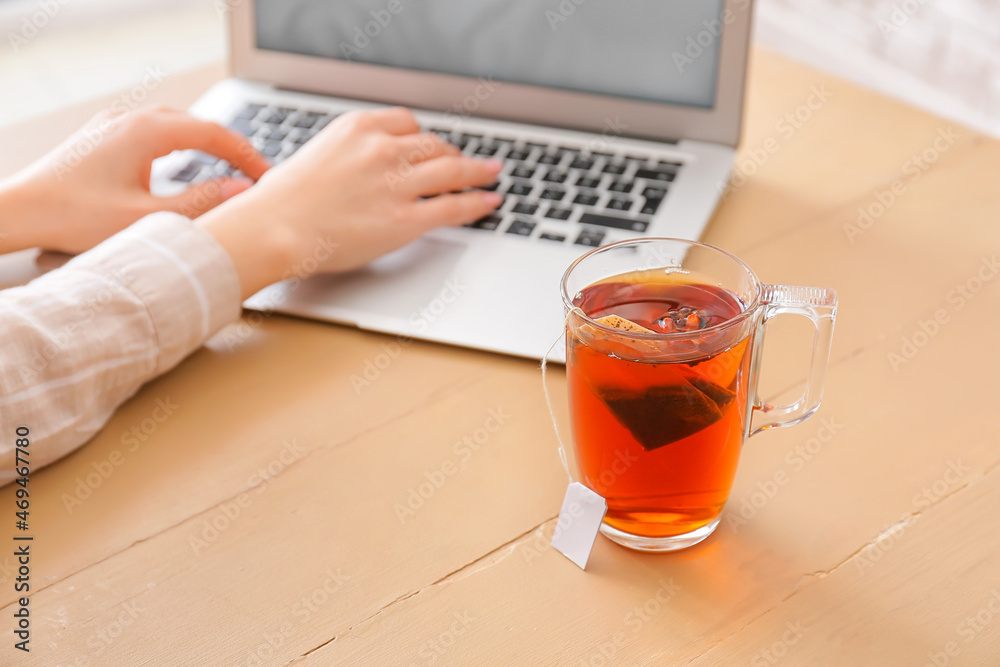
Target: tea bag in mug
{"x":659,"y":416}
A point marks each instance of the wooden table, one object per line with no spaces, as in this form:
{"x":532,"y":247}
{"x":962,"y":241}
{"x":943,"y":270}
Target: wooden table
{"x":260,"y":522}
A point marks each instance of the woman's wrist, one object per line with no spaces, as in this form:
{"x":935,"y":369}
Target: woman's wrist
{"x":17,"y":223}
{"x":259,"y":247}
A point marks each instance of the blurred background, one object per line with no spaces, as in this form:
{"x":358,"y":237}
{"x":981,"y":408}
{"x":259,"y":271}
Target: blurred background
{"x":941,"y":55}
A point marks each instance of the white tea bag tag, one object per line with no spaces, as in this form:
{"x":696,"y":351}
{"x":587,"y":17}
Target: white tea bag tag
{"x":579,"y":522}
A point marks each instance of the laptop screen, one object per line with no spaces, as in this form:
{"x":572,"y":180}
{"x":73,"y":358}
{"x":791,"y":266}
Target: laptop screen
{"x":663,"y":51}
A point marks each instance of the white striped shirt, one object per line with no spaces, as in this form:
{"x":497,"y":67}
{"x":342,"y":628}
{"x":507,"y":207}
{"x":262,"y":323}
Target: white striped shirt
{"x":79,"y":341}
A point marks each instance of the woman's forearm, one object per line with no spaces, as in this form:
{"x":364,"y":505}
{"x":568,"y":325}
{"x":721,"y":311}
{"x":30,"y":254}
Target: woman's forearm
{"x":80,"y":340}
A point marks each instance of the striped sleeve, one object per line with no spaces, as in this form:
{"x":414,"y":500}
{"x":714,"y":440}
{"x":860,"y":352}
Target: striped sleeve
{"x":79,"y":341}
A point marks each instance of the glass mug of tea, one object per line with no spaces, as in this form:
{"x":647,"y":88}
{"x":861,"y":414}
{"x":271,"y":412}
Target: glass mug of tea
{"x":662,"y":355}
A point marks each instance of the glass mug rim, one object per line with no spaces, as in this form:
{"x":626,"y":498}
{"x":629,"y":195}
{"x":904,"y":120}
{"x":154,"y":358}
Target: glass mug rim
{"x":747,"y":312}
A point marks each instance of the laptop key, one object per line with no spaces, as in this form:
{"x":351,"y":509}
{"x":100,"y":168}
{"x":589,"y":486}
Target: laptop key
{"x":523,"y":171}
{"x":525,"y":208}
{"x":585,"y":199}
{"x":242,"y":125}
{"x":548,"y":158}
{"x":276,"y":133}
{"x":617,"y":204}
{"x":487,"y":150}
{"x":521,"y":228}
{"x":667,"y":165}
{"x":605,"y":220}
{"x":654,"y":193}
{"x":276,"y":117}
{"x":555,"y":176}
{"x":621,"y":186}
{"x":614,"y":168}
{"x":651,"y":206}
{"x":587,"y":182}
{"x":590,"y":237}
{"x":204,"y":159}
{"x":520,"y":189}
{"x":553,"y":193}
{"x":549,"y":236}
{"x":557,"y":213}
{"x":249,"y":111}
{"x":656,"y":175}
{"x":518,"y":154}
{"x":490,"y":222}
{"x":271,"y":148}
{"x":582,"y":163}
{"x":187,"y":174}
{"x":324,"y":120}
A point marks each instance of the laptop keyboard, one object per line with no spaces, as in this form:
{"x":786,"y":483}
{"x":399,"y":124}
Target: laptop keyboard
{"x":553,"y":193}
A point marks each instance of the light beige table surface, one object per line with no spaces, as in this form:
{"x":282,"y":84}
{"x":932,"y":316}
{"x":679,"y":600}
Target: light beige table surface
{"x":259,"y":523}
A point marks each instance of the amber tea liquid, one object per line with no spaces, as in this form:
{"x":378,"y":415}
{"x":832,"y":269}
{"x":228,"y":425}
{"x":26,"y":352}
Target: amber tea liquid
{"x":660,"y":440}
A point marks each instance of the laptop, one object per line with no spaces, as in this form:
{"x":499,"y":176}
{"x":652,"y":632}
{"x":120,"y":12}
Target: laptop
{"x":615,"y":120}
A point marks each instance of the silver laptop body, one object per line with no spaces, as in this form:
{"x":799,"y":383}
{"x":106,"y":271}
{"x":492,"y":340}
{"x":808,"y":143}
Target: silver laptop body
{"x":615,"y":120}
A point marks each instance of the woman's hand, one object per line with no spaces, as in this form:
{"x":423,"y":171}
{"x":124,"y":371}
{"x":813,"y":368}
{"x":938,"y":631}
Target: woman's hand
{"x":96,"y":183}
{"x":353,"y":193}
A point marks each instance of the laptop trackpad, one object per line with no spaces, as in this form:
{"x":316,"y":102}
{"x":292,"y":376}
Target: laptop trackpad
{"x":393,"y":286}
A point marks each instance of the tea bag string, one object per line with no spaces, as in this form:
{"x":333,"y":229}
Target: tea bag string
{"x":548,"y":402}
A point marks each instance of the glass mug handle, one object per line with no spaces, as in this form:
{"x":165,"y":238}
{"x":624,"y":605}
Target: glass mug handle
{"x":820,"y":306}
